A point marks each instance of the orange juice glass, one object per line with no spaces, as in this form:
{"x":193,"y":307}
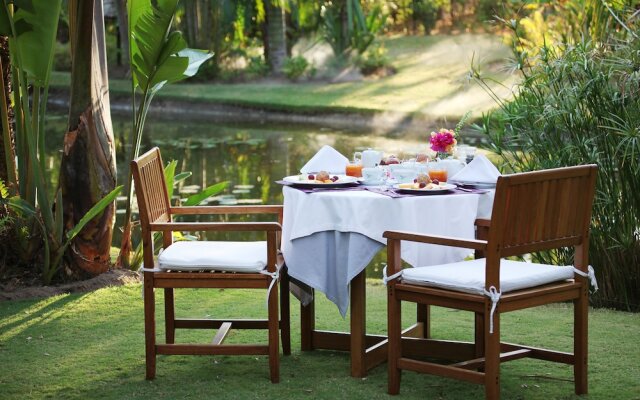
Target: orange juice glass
{"x":439,"y":174}
{"x":354,"y":170}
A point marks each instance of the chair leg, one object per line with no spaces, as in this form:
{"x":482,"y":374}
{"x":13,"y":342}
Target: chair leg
{"x":274,"y":337}
{"x":580,"y":340}
{"x":492,"y":355}
{"x":394,"y":331}
{"x":169,"y":316}
{"x":479,"y":337}
{"x":149,"y":325}
{"x":423,"y":316}
{"x":285,"y":313}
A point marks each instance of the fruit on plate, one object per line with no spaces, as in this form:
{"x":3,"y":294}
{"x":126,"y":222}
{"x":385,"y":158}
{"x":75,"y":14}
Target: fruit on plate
{"x":323,"y":176}
{"x":421,"y":186}
{"x":423,"y":178}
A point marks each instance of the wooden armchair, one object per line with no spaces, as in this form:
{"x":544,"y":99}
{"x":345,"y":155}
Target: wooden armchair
{"x":207,"y":264}
{"x":532,"y":212}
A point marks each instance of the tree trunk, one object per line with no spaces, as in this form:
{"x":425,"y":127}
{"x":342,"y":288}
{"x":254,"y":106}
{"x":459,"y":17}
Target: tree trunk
{"x":344,"y":28}
{"x":88,"y":169}
{"x":123,"y":30}
{"x":191,"y":21}
{"x":204,"y":24}
{"x":275,"y":42}
{"x":197,"y":23}
{"x":216,"y":35}
{"x":7,"y":139}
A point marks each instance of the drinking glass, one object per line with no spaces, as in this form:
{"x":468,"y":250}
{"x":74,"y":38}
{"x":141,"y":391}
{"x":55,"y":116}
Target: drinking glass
{"x":438,"y":171}
{"x":354,"y":169}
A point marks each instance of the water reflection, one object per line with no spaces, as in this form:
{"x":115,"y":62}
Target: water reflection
{"x":249,"y":157}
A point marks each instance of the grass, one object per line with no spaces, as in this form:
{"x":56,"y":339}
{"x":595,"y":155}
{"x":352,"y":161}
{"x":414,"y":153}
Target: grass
{"x":92,"y":346}
{"x":431,"y":81}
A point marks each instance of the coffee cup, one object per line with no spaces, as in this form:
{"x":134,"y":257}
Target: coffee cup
{"x":404,"y":175}
{"x":373,"y":175}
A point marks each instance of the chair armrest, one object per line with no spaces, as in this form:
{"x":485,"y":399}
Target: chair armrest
{"x":483,"y":222}
{"x":261,"y":209}
{"x":440,"y":240}
{"x":216,"y":226}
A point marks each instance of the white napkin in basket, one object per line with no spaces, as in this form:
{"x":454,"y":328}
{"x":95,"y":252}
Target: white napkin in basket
{"x":479,"y":170}
{"x":326,"y":159}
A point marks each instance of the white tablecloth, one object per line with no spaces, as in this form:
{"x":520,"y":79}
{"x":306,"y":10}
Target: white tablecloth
{"x":329,"y":237}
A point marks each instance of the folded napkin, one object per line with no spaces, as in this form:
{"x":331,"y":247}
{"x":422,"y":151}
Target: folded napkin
{"x":479,"y":170}
{"x":326,"y":159}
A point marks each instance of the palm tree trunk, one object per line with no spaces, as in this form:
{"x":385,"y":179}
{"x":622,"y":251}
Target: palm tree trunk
{"x":88,"y":169}
{"x":275,"y":39}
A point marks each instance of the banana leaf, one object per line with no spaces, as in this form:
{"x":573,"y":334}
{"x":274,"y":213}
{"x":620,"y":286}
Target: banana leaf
{"x":35,"y":26}
{"x":205,"y":194}
{"x":159,"y":57}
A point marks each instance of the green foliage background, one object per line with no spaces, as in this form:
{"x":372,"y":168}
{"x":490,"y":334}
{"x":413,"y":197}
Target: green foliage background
{"x":578,"y":104}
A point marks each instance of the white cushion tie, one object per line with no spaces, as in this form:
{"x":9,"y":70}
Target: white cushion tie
{"x":274,"y":278}
{"x":591,"y":274}
{"x":386,"y":279}
{"x":494,"y":295}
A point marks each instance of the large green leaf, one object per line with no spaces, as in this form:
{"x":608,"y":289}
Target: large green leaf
{"x":36,"y":25}
{"x":169,"y":172}
{"x":22,"y":206}
{"x":149,"y":25}
{"x":5,"y":22}
{"x":160,"y":57}
{"x":212,"y":190}
{"x":178,"y":67}
{"x":136,"y":8}
{"x":181,"y":176}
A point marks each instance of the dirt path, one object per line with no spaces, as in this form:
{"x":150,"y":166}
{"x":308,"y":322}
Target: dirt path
{"x":115,"y":277}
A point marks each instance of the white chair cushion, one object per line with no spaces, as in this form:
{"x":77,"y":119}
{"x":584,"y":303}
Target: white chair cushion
{"x":468,"y":276}
{"x":219,"y":256}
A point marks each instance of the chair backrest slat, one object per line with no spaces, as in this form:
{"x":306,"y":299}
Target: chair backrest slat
{"x":535,"y":211}
{"x":151,"y":189}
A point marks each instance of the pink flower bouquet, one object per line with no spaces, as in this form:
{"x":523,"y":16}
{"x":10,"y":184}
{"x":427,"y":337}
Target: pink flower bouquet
{"x":443,"y":141}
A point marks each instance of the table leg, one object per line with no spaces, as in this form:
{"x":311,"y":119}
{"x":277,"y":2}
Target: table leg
{"x":307,"y":324}
{"x":358,"y":325}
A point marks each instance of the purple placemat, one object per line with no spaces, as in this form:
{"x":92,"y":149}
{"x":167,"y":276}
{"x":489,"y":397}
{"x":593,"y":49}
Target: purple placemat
{"x":380,"y":190}
{"x":395,"y":194}
{"x":355,"y":187}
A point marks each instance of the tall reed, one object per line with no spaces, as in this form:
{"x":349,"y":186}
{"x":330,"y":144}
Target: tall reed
{"x":577,"y":104}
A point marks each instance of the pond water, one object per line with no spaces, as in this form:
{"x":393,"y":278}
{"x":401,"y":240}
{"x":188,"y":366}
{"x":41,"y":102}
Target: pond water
{"x":249,"y":157}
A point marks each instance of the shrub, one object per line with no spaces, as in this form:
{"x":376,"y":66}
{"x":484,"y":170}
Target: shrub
{"x":256,"y":68}
{"x":578,"y":104}
{"x":426,"y":12}
{"x":374,"y":60}
{"x":295,"y":67}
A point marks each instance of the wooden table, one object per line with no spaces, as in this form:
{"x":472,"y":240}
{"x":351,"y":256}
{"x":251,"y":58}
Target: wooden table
{"x":367,"y":351}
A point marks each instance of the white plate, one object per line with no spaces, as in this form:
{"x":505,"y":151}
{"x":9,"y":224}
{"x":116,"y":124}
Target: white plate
{"x":476,"y":185}
{"x":343,"y":180}
{"x":442,"y":189}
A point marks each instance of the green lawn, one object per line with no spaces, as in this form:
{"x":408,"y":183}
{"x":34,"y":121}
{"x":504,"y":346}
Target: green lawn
{"x":431,"y":81}
{"x":92,"y":346}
